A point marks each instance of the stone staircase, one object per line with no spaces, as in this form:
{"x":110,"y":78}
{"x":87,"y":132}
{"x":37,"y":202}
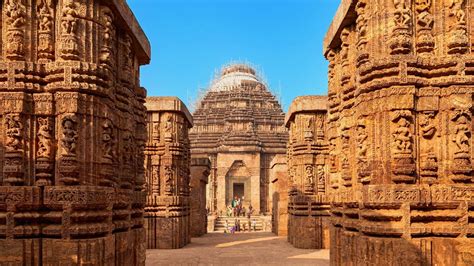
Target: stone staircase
{"x":261,"y":225}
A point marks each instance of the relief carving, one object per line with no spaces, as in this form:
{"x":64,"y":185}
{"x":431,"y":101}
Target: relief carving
{"x":363,"y":169}
{"x":169,"y":186}
{"x":401,"y":39}
{"x":309,"y":180}
{"x":15,"y":11}
{"x":14,"y":133}
{"x":321,"y":179}
{"x":44,"y":156}
{"x":403,"y":166}
{"x":108,"y":141}
{"x":45,"y":11}
{"x":69,"y":135}
{"x":462,"y":140}
{"x":69,"y":30}
{"x":362,"y":28}
{"x":308,"y":129}
{"x":345,"y":163}
{"x":345,"y":77}
{"x":428,"y":158}
{"x":107,"y":51}
{"x":425,"y":40}
{"x":459,"y":41}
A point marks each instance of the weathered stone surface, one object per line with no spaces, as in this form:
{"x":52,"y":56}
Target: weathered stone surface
{"x":200,"y":169}
{"x":239,"y":125}
{"x":400,"y":127}
{"x":167,"y":163}
{"x":71,"y":133}
{"x":308,"y":204}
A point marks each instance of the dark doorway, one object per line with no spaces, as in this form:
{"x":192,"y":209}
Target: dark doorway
{"x":239,"y":190}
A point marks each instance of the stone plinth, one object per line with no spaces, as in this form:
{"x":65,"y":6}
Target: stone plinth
{"x":167,"y":162}
{"x":401,"y":85}
{"x":200,"y":168}
{"x":279,"y":194}
{"x":308,"y":205}
{"x":72,"y":134}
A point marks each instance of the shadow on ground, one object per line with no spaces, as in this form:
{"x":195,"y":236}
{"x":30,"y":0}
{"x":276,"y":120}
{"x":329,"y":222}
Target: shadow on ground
{"x":238,"y":249}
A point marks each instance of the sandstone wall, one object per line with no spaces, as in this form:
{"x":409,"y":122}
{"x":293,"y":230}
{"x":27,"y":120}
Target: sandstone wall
{"x":400,"y":131}
{"x":71,"y":133}
{"x":200,"y":168}
{"x":167,"y":163}
{"x":308,"y":205}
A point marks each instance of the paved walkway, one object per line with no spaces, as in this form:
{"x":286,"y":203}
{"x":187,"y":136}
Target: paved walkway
{"x":238,"y":249}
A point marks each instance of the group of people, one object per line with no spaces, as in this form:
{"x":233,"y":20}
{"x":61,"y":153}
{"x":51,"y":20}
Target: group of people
{"x":238,"y":227}
{"x":236,"y":209}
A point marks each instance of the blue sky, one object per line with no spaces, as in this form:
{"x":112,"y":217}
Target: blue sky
{"x":191,"y":39}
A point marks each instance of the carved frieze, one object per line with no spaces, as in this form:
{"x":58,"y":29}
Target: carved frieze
{"x":428,"y":156}
{"x":458,"y":41}
{"x":45,"y":10}
{"x":461,"y":136}
{"x":69,"y":31}
{"x":403,"y":165}
{"x":15,"y":12}
{"x":424,"y":20}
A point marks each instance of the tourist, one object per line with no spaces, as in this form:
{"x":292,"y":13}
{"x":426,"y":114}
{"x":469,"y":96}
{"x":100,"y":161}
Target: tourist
{"x":243,"y":211}
{"x":226,"y":226}
{"x":254,"y":225}
{"x":229,"y":211}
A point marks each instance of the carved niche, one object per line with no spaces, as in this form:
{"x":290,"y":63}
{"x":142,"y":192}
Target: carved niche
{"x":424,"y":21}
{"x":69,"y":31}
{"x":15,"y":12}
{"x":458,"y":42}
{"x":401,"y":38}
{"x":309,"y":180}
{"x":428,"y":156}
{"x":107,"y":53}
{"x":45,"y":10}
{"x":44,"y":153}
{"x":14,"y":146}
{"x":403,"y":164}
{"x":109,"y":156}
{"x":362,"y":28}
{"x":363,"y":167}
{"x":68,"y":168}
{"x":461,"y":136}
{"x":345,"y":160}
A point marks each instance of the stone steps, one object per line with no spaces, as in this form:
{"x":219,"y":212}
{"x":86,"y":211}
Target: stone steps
{"x":220,"y":223}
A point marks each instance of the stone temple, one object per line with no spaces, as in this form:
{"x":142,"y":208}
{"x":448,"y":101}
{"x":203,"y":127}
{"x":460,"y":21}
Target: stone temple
{"x":239,"y":125}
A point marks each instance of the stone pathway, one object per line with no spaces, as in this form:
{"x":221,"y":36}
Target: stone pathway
{"x":238,"y":249}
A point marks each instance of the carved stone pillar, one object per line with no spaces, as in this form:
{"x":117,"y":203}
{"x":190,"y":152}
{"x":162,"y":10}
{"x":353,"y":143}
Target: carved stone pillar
{"x":200,"y":169}
{"x":308,"y":207}
{"x":62,"y":115}
{"x":403,"y":193}
{"x":167,"y":211}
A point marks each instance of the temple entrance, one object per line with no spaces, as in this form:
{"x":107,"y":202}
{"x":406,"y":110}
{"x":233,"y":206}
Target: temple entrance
{"x":239,"y":190}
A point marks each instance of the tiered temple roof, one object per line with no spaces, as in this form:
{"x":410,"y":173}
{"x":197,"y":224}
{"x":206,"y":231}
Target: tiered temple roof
{"x":238,"y":113}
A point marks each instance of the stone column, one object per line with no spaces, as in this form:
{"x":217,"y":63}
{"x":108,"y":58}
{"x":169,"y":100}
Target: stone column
{"x":167,"y":163}
{"x":400,"y":128}
{"x":308,"y":205}
{"x":200,"y":169}
{"x":69,"y":94}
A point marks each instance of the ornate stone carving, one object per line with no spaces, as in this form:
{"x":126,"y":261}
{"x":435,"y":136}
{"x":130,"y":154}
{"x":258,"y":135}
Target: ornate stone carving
{"x":45,"y":9}
{"x":401,"y":39}
{"x":107,"y":50}
{"x":428,"y":158}
{"x":363,"y":169}
{"x":169,"y":176}
{"x":309,"y":180}
{"x":308,"y":131}
{"x":108,"y":141}
{"x":345,"y":73}
{"x":44,"y":154}
{"x":459,"y":41}
{"x":14,"y":133}
{"x":361,"y":25}
{"x":15,"y":11}
{"x":345,"y":163}
{"x":168,"y":128}
{"x":44,"y":138}
{"x":424,"y":20}
{"x":69,"y":135}
{"x":321,"y":174}
{"x":462,"y":165}
{"x":403,"y":166}
{"x":69,"y":30}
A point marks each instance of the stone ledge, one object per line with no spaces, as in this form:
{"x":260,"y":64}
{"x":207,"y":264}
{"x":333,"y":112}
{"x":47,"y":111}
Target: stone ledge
{"x":173,"y":104}
{"x":344,"y":16}
{"x":129,"y":21}
{"x":309,"y":103}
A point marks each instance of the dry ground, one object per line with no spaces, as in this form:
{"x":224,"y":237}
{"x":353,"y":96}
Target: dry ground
{"x":238,"y":249}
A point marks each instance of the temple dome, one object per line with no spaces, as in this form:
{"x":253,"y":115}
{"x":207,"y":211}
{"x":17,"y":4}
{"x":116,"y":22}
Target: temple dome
{"x":235,"y":76}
